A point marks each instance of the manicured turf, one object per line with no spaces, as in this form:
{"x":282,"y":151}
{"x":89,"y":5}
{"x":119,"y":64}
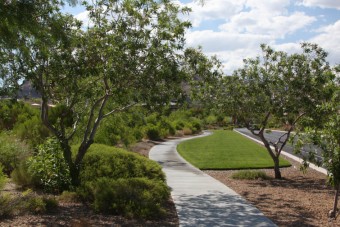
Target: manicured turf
{"x":226,"y":150}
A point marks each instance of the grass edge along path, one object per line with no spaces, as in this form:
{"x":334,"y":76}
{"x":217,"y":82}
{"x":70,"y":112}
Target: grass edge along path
{"x":226,"y":149}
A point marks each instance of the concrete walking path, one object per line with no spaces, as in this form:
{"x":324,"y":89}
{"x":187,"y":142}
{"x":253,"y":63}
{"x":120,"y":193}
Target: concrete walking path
{"x":201,"y":200}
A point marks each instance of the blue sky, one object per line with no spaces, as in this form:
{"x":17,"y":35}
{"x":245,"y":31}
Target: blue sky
{"x":234,"y":29}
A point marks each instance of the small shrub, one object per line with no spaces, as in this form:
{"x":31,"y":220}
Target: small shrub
{"x":12,"y":152}
{"x":27,"y":202}
{"x":3,"y":178}
{"x":33,"y":131}
{"x":179,"y":124}
{"x":196,"y":125}
{"x":133,"y":197}
{"x":21,"y":175}
{"x":48,"y":168}
{"x":35,"y":205}
{"x":105,"y":161}
{"x":152,"y":132}
{"x":6,"y":205}
{"x":250,"y":175}
{"x":211,"y":120}
{"x":69,"y":197}
{"x":229,"y":127}
{"x":51,"y":203}
{"x":187,"y":131}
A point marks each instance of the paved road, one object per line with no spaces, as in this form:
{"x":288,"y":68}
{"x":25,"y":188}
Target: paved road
{"x":201,"y":200}
{"x":274,"y":136}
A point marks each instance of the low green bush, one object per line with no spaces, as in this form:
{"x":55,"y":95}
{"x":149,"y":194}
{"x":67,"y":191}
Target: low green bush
{"x":3,"y":178}
{"x":13,"y":112}
{"x":33,"y":131}
{"x":211,"y":120}
{"x":196,"y":125}
{"x":153,"y":132}
{"x":132,"y":197}
{"x":106,"y":161}
{"x":68,"y":196}
{"x":121,"y":182}
{"x":48,"y":167}
{"x":21,"y":175}
{"x":27,"y":202}
{"x":6,"y":205}
{"x":12,"y":152}
{"x":250,"y":175}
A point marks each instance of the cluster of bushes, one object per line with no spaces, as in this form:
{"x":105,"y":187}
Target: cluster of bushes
{"x":138,"y":123}
{"x":26,"y":202}
{"x":22,"y":120}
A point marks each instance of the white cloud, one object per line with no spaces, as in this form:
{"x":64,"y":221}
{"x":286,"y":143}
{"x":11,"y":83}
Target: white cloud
{"x":84,"y":17}
{"x":219,"y":41}
{"x":272,"y":7}
{"x":322,"y":3}
{"x":277,"y":26}
{"x":246,"y":26}
{"x":329,"y":39}
{"x":213,"y":10}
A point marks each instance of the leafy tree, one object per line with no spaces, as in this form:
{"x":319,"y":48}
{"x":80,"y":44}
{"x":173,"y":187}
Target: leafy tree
{"x":323,"y":132}
{"x":205,"y":73}
{"x":129,"y":55}
{"x":286,"y":87}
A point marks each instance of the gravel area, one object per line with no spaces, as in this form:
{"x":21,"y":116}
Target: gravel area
{"x":297,"y":200}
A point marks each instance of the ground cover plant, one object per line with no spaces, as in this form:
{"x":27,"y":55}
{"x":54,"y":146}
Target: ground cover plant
{"x":226,"y":149}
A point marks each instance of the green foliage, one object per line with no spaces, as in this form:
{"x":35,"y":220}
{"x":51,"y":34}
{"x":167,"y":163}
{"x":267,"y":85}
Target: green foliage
{"x":120,"y":182}
{"x":152,"y":132}
{"x":211,"y":120}
{"x":13,"y":112}
{"x":3,"y":178}
{"x":132,"y":197}
{"x":28,"y":202}
{"x":250,"y":175}
{"x":105,"y":161}
{"x":68,"y":197}
{"x":33,"y":131}
{"x":12,"y":152}
{"x":21,"y":175}
{"x":6,"y":207}
{"x":48,"y":167}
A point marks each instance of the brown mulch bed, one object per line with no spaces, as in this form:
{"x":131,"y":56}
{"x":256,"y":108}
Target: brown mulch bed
{"x":297,"y":200}
{"x":79,"y":215}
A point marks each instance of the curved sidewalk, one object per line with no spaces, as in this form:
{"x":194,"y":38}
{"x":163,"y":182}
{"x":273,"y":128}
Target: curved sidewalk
{"x":201,"y":200}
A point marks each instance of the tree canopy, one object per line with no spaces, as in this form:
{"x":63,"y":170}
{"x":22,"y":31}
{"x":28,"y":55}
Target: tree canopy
{"x":128,"y":55}
{"x":277,"y":85}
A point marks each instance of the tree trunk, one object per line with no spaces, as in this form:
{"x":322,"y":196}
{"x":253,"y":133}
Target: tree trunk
{"x":74,"y":169}
{"x":332,"y":213}
{"x":277,"y":168}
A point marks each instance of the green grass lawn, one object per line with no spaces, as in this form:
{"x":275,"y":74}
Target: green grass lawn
{"x":226,"y":150}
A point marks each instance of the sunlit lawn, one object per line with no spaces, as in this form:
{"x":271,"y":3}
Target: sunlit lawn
{"x":226,"y":150}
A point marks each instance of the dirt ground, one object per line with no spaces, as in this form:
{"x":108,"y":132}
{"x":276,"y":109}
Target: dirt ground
{"x":297,"y":200}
